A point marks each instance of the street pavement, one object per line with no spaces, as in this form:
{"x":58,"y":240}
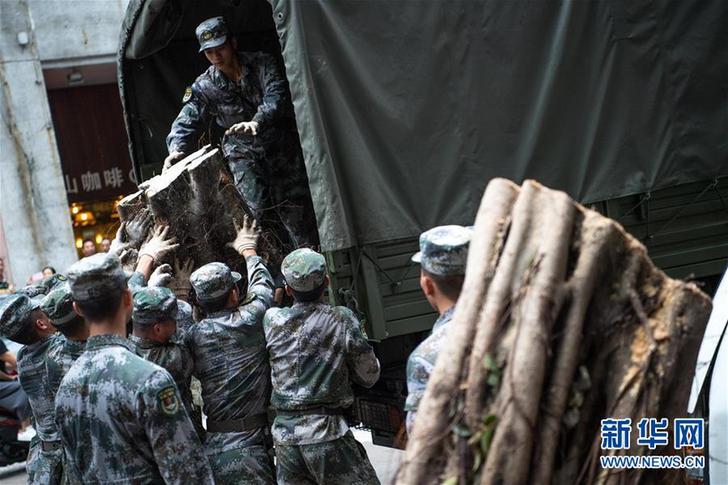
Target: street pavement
{"x":385,"y":461}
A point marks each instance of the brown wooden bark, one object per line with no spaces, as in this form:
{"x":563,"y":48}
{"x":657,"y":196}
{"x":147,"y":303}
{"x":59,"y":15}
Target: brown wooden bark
{"x":563,"y":321}
{"x":197,"y":199}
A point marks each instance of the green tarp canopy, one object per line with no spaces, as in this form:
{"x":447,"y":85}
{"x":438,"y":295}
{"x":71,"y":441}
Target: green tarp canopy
{"x":406,"y":109}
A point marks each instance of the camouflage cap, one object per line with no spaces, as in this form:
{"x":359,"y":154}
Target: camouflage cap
{"x":444,"y":250}
{"x":184,"y":318}
{"x":54,"y":281}
{"x":213,"y":280}
{"x":15,"y":313}
{"x":212,"y":33}
{"x":304,"y":270}
{"x":154,"y":304}
{"x":96,"y":276}
{"x":33,"y":291}
{"x":58,"y":305}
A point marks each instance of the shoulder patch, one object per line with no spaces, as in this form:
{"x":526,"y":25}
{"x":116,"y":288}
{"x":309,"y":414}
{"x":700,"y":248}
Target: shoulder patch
{"x":168,"y":401}
{"x":188,"y":94}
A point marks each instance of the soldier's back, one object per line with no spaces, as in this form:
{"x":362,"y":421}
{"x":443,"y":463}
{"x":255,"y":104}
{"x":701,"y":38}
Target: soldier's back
{"x":307,"y":350}
{"x":105,"y":405}
{"x":230,"y":362}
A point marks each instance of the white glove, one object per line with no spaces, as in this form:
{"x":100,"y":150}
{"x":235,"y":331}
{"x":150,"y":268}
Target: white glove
{"x":249,"y":127}
{"x":247,"y":235}
{"x":158,"y":246}
{"x":173,"y":157}
{"x":161,"y":276}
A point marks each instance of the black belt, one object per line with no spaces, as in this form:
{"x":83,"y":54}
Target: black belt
{"x":249,"y":423}
{"x":51,"y":445}
{"x":322,"y":410}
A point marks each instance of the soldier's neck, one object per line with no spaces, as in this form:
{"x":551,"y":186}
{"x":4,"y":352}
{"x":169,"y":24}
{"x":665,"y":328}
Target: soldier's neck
{"x":113,"y":326}
{"x":233,"y":71}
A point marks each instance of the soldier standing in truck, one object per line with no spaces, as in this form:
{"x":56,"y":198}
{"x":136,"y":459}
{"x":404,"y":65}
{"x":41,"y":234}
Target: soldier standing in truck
{"x":246,"y":94}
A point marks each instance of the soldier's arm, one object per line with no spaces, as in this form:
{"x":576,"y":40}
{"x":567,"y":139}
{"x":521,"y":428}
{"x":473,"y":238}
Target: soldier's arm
{"x":260,"y":285}
{"x":190,"y":122}
{"x":176,"y":447}
{"x":360,"y":358}
{"x":274,"y":90}
{"x":418,"y":372}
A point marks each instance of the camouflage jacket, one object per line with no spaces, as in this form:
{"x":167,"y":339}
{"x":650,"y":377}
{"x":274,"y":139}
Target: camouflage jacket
{"x":175,"y":357}
{"x":230,"y":361}
{"x":421,"y":362}
{"x":34,"y":378}
{"x":121,"y":420}
{"x":60,"y":359}
{"x":258,"y":96}
{"x":315,"y":351}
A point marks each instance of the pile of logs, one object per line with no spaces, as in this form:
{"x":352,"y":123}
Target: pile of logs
{"x":563,"y":321}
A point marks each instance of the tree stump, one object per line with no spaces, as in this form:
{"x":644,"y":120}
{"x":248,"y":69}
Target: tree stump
{"x":196,"y":197}
{"x":563,"y":321}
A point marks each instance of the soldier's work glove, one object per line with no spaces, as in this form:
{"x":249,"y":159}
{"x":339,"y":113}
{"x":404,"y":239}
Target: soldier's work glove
{"x":174,"y":157}
{"x":181,"y":282}
{"x":161,"y":276}
{"x":138,"y":227}
{"x":249,"y":127}
{"x":128,"y":259}
{"x":120,"y":242}
{"x":159,"y":245}
{"x":247,"y":237}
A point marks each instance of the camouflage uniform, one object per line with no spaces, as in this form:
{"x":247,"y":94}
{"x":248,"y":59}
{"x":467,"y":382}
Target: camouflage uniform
{"x":267,"y":168}
{"x":152,"y":305}
{"x":44,"y":463}
{"x":315,"y":352}
{"x":58,"y":306}
{"x":121,"y":417}
{"x":232,"y":366}
{"x":443,"y":252}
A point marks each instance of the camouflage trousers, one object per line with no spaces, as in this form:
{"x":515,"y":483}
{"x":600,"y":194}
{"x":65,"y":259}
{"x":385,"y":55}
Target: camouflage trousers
{"x":243,"y":465}
{"x":341,"y":461}
{"x":274,"y":185}
{"x":44,"y":467}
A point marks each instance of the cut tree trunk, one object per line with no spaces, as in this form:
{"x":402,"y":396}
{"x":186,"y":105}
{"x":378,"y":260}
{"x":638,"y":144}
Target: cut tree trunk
{"x":196,"y":197}
{"x":563,"y":321}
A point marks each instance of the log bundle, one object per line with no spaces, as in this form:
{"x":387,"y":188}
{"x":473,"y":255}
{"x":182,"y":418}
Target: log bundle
{"x":563,"y":321}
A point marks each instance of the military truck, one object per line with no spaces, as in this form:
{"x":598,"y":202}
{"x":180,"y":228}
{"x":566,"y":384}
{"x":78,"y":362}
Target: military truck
{"x":405,"y":111}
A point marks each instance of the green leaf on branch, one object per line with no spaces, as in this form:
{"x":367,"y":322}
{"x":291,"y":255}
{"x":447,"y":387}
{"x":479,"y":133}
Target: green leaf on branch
{"x":487,"y":436}
{"x":489,"y":363}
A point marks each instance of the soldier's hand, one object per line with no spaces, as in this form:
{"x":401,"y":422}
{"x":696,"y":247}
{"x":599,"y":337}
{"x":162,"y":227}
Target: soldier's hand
{"x":181,"y":282}
{"x":161,"y":276}
{"x":138,"y":226}
{"x":173,"y":157}
{"x":128,"y":259}
{"x":120,"y":243}
{"x":247,"y":235}
{"x":159,"y":245}
{"x":249,"y":127}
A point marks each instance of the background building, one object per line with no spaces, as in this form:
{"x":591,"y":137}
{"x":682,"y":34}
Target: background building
{"x":64,"y":158}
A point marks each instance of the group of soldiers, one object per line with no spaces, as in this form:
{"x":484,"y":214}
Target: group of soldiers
{"x":113,"y":408}
{"x":109,"y":407}
{"x":114,"y":404}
